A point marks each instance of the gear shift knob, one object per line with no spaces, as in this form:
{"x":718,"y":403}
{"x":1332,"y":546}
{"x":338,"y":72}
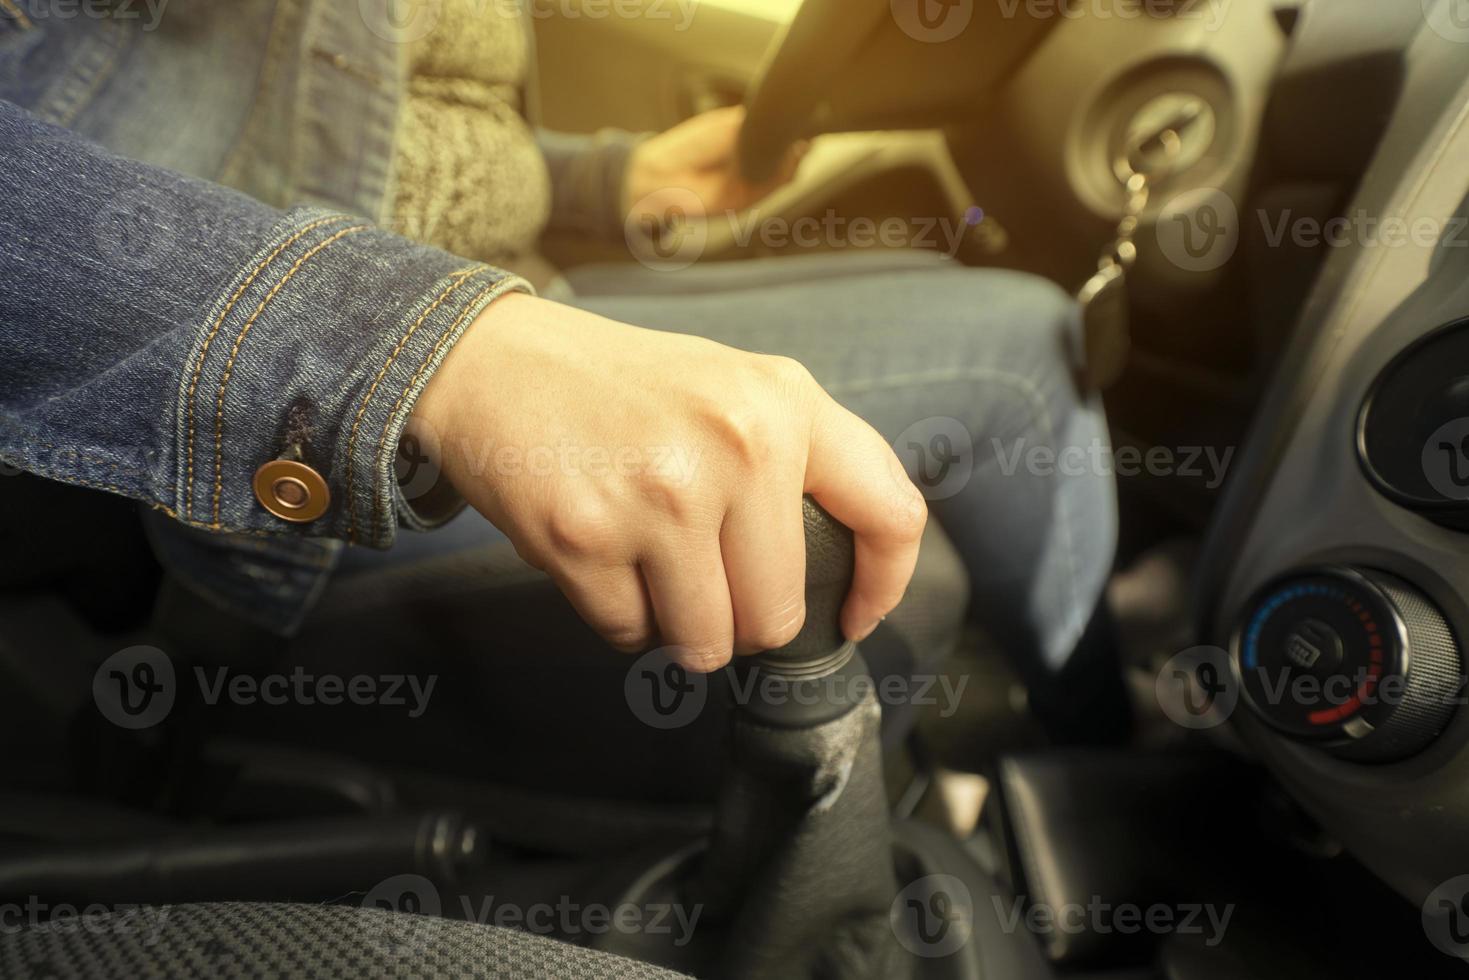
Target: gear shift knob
{"x":820,"y":648}
{"x":816,"y":677}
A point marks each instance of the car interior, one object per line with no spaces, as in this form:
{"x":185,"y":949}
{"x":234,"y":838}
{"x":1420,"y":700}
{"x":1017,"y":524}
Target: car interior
{"x":1263,"y":206}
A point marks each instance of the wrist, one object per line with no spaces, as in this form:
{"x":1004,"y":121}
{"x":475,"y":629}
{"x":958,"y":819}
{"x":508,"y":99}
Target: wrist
{"x":436,"y":405}
{"x":433,"y":438}
{"x":639,"y":179}
{"x":449,"y":408}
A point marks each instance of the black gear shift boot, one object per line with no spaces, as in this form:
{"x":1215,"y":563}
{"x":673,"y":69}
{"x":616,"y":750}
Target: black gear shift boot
{"x":800,"y":867}
{"x":796,"y":881}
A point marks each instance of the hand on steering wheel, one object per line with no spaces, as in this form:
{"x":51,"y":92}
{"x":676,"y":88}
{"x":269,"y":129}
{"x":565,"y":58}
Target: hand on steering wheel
{"x":693,"y":169}
{"x":824,"y":37}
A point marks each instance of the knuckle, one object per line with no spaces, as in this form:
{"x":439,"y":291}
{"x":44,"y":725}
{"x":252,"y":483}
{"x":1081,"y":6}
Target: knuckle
{"x":912,"y":516}
{"x":788,"y":372}
{"x":625,"y":637}
{"x":909,"y":514}
{"x":704,"y":656}
{"x":792,"y":381}
{"x":670,"y":498}
{"x":776,"y":632}
{"x":744,"y":430}
{"x":579,"y":528}
{"x":531,"y":555}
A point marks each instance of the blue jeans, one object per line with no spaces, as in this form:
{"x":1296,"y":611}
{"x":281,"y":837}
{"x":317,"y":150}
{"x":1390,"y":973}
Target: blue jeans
{"x":970,"y":373}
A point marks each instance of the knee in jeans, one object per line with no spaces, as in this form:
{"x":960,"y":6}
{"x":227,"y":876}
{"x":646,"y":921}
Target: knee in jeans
{"x":1032,"y":317}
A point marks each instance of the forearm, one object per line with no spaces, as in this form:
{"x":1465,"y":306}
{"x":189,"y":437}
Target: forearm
{"x":161,"y":337}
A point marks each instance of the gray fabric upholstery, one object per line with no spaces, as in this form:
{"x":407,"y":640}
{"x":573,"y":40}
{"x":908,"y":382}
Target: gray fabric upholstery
{"x":242,"y":939}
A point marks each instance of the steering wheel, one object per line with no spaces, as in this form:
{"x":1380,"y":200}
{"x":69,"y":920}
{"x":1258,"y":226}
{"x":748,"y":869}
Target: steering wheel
{"x":822,"y":39}
{"x":843,"y":55}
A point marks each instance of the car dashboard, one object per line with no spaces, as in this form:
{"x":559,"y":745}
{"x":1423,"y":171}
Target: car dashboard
{"x":1339,"y":551}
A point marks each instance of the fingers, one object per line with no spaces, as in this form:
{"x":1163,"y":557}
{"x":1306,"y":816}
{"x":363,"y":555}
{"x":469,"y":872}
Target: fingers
{"x":741,"y":193}
{"x":691,"y":602}
{"x":853,"y":473}
{"x":614,"y":602}
{"x":764,"y":548}
{"x":790,"y":164}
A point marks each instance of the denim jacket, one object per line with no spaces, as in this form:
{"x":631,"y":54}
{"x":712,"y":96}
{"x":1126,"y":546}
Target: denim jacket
{"x":194,"y":282}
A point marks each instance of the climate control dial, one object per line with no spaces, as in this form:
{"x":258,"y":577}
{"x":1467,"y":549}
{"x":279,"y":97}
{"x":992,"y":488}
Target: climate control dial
{"x":1357,"y":661}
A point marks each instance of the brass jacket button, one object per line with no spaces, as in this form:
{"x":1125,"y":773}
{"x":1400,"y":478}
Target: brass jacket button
{"x":292,"y":491}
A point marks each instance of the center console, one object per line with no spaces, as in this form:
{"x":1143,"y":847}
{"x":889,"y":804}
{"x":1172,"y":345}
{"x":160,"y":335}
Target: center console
{"x":1337,"y":574}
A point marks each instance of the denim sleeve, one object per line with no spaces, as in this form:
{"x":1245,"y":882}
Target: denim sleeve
{"x":588,"y":173}
{"x":162,"y":337}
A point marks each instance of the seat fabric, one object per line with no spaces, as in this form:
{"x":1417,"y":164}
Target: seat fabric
{"x":249,"y":939}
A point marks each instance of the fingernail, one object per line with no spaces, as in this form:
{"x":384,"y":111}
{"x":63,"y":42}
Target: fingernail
{"x":704,"y":663}
{"x":865,"y":633}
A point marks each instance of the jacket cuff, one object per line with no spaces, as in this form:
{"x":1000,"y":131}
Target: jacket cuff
{"x":589,"y":180}
{"x":314,"y":357}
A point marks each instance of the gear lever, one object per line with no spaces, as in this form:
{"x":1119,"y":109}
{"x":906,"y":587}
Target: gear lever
{"x":811,"y":679}
{"x":797,"y":878}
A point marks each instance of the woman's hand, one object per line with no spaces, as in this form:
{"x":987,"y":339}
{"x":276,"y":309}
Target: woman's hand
{"x":698,"y":155}
{"x":658,"y":477}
